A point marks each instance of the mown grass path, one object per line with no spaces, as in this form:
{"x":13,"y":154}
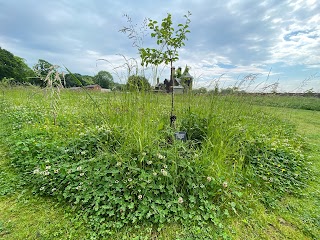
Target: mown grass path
{"x":292,"y":218}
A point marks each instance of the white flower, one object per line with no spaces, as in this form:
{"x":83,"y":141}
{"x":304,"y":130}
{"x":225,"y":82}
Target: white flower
{"x":165,"y":166}
{"x":36,"y":171}
{"x":164,"y":172}
{"x":144,"y":153}
{"x":119,"y":164}
{"x":116,"y":181}
{"x":160,"y":156}
{"x":155,"y":174}
{"x":149,"y":162}
{"x":209,"y":179}
{"x":69,"y":171}
{"x":225,"y":184}
{"x":46,"y":172}
{"x":56,"y":171}
{"x":48,"y":167}
{"x":81,"y":174}
{"x":79,"y":168}
{"x":53,"y":189}
{"x":129,"y":179}
{"x":180,"y":200}
{"x":42,"y":188}
{"x":140,"y":197}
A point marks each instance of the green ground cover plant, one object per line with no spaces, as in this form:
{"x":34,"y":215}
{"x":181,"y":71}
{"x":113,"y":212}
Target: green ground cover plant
{"x":125,"y":175}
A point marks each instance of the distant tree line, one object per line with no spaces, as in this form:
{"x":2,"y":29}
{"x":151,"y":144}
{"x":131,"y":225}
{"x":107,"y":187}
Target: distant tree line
{"x":14,"y":70}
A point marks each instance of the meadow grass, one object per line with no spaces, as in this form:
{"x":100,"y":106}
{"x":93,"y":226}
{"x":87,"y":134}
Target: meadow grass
{"x":218,"y":183}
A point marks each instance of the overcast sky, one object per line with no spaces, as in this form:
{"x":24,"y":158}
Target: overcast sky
{"x":276,"y":40}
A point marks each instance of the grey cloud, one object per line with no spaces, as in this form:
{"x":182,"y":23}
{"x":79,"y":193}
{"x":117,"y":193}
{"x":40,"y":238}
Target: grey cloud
{"x":225,"y":35}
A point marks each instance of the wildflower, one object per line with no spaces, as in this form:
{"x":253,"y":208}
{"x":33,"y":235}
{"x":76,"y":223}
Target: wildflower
{"x":225,"y":184}
{"x":48,"y":167}
{"x":119,"y":164}
{"x":79,"y":168}
{"x":155,"y":174}
{"x":46,"y":172}
{"x":144,"y":153}
{"x":116,"y":181}
{"x":248,"y":185}
{"x":83,"y":152}
{"x":160,"y":156}
{"x":149,"y":162}
{"x":270,"y":179}
{"x":264,"y":178}
{"x":129,"y":179}
{"x":53,"y":189}
{"x":81,"y":174}
{"x":56,"y":171}
{"x":201,"y":186}
{"x":36,"y":171}
{"x":209,"y":179}
{"x":69,"y":171}
{"x":42,"y":188}
{"x":78,"y":187}
{"x":165,"y":166}
{"x":180,"y":200}
{"x":164,"y":172}
{"x":140,"y":197}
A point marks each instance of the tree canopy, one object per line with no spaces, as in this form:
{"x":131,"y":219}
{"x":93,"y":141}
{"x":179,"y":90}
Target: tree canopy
{"x":168,"y":39}
{"x":14,"y":67}
{"x":104,"y":79}
{"x":138,"y":83}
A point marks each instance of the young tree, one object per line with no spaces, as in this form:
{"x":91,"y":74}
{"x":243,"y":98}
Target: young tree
{"x":169,"y":41}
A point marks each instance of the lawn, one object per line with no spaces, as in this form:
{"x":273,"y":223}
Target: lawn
{"x":81,"y":165}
